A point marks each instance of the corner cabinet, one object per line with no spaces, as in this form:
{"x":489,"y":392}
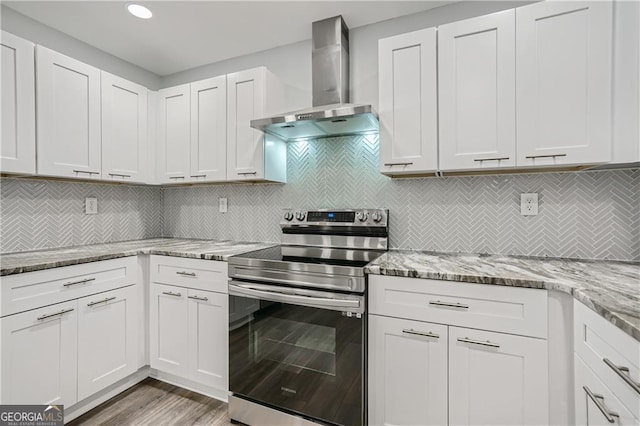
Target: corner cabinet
{"x":477,"y":99}
{"x":124,"y":130}
{"x":18,"y":144}
{"x":563,"y":87}
{"x":408,"y":103}
{"x":252,"y":155}
{"x":68,"y":111}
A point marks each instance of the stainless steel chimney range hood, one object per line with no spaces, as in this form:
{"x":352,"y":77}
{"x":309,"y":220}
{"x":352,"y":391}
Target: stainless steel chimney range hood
{"x":331,"y":114}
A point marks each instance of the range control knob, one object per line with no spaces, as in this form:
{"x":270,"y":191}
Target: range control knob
{"x":377,"y":217}
{"x":300,"y":216}
{"x":288,"y":216}
{"x":362,"y":216}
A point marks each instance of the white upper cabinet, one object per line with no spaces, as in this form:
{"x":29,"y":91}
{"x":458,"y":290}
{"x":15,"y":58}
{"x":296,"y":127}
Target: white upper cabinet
{"x":209,"y":130}
{"x":563,"y":88}
{"x":174,"y":133}
{"x":68,"y":111}
{"x":18,"y":145}
{"x":476,"y":81}
{"x":251,"y":155}
{"x":124,"y":130}
{"x":408,"y":103}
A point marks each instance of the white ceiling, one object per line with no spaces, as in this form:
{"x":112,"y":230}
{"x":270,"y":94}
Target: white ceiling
{"x":185,"y":34}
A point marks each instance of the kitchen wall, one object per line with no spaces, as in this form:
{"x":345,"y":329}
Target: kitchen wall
{"x":582,"y":215}
{"x":38,"y":214}
{"x":32,"y":30}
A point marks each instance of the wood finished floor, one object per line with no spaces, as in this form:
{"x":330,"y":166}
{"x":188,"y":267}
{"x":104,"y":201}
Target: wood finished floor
{"x":155,"y":403}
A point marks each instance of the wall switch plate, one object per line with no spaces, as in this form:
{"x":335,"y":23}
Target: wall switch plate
{"x":222,"y":205}
{"x":90,"y":205}
{"x":529,"y":204}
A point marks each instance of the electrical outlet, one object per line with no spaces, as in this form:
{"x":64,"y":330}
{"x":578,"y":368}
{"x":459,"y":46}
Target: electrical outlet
{"x":529,"y":204}
{"x":222,"y":205}
{"x":90,"y":205}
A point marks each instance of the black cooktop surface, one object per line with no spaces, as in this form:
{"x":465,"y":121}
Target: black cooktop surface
{"x":314,"y":255}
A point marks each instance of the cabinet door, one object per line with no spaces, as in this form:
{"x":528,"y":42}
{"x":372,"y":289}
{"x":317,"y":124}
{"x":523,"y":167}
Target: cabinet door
{"x":408,"y":103}
{"x":407,"y":372}
{"x":588,"y":390}
{"x":168,"y":328}
{"x":68,"y":110}
{"x":563,"y":89}
{"x":39,"y":350}
{"x":174,"y":134}
{"x":208,"y":337}
{"x":107,"y":339}
{"x":209,"y":130}
{"x":497,"y":379}
{"x":124,"y":130}
{"x":477,"y":94}
{"x":245,"y":145}
{"x":18,"y":145}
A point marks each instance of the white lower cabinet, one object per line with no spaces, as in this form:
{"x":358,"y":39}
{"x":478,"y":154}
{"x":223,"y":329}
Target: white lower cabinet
{"x":107,"y":339}
{"x":497,"y":379}
{"x":168,"y":329}
{"x":407,"y":372}
{"x":39,"y":350}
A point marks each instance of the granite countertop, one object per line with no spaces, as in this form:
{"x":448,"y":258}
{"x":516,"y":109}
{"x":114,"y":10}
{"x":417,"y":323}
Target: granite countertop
{"x":611,"y":289}
{"x":19,"y":262}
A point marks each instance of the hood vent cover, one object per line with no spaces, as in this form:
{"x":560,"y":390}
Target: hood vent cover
{"x":331,"y":114}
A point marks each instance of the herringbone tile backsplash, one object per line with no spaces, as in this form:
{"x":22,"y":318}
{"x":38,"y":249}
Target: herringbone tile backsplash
{"x":38,"y":214}
{"x":582,"y":215}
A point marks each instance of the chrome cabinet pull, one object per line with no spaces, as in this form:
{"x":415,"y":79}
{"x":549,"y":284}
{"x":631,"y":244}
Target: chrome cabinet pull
{"x":545,"y":156}
{"x":176,"y":177}
{"x":87,"y":172}
{"x":170,"y":293}
{"x":198,"y":176}
{"x":421,"y":333}
{"x":599,"y":401}
{"x":398,"y":164}
{"x":491,"y":159}
{"x":119,"y":175}
{"x":186,"y":274}
{"x":623,"y":372}
{"x":62,"y":312}
{"x":108,"y":299}
{"x":478,"y":342}
{"x":203,"y":299}
{"x":450,"y":305}
{"x":247,"y":173}
{"x":86,"y":280}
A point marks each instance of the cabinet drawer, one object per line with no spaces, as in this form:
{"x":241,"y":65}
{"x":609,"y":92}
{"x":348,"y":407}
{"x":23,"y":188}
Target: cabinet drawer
{"x":32,"y":290}
{"x":597,"y":340}
{"x":208,"y":275}
{"x":505,"y":309}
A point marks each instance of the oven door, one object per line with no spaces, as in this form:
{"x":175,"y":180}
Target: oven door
{"x":298,"y":350}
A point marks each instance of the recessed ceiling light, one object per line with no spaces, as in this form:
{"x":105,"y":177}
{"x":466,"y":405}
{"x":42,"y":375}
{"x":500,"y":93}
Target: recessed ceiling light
{"x":139,"y":11}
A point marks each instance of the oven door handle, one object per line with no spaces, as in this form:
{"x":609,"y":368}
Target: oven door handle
{"x":310,"y":298}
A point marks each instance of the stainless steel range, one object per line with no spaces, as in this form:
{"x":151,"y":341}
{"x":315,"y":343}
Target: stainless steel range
{"x":297,"y":339}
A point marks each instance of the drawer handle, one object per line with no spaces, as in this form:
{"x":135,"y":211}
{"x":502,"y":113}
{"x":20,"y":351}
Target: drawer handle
{"x":478,"y":342}
{"x":545,"y":156}
{"x":203,"y":299}
{"x":108,"y":299}
{"x":186,"y":274}
{"x":86,"y":280}
{"x":398,"y":164}
{"x":421,"y":333}
{"x":119,"y":175}
{"x":623,"y":372}
{"x":62,"y":312}
{"x":198,"y":176}
{"x":247,"y":173}
{"x":170,"y":293}
{"x":176,"y":177}
{"x":480,"y":160}
{"x":599,"y":401}
{"x":87,"y":172}
{"x":450,"y":305}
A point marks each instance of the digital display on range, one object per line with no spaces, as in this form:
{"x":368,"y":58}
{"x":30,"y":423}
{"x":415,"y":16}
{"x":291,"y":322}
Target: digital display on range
{"x":331,"y":216}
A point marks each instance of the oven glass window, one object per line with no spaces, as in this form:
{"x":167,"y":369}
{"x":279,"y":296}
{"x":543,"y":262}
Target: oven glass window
{"x":309,"y":361}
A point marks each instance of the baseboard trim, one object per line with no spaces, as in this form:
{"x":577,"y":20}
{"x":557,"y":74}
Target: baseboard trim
{"x":220,"y":395}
